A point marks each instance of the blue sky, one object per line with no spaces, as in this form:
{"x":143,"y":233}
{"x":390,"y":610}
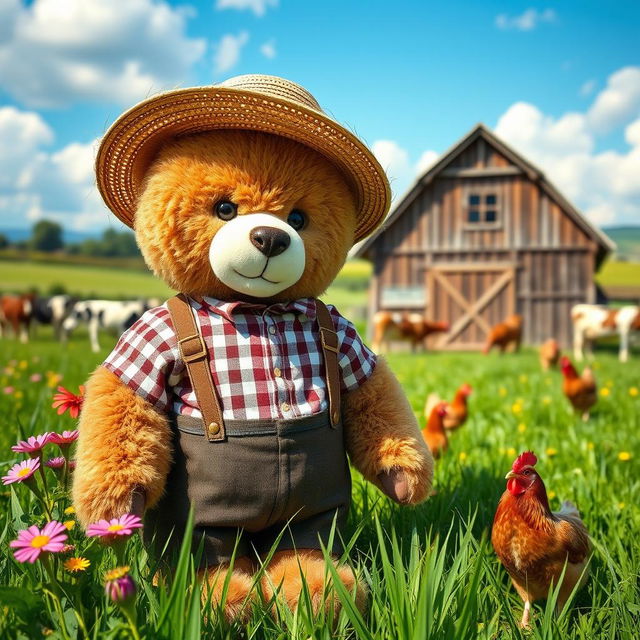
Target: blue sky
{"x":558,"y":81}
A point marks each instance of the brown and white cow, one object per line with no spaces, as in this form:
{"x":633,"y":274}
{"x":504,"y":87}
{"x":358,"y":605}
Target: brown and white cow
{"x":411,"y":327}
{"x":591,"y":322}
{"x":16,"y":312}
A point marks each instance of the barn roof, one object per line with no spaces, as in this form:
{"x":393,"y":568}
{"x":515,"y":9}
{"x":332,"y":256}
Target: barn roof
{"x":604,"y":243}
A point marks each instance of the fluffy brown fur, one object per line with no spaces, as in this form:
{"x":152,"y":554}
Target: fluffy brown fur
{"x":382,"y":434}
{"x":124,"y":443}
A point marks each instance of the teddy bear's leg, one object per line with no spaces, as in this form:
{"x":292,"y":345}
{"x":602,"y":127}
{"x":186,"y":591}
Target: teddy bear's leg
{"x":240,"y":594}
{"x":124,"y":447}
{"x":285,"y":575}
{"x":383,"y":439}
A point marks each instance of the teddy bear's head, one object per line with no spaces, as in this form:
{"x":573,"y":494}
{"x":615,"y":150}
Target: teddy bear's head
{"x":244,"y":215}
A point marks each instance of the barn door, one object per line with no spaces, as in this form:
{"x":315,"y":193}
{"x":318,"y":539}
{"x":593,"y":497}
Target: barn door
{"x":471,"y":298}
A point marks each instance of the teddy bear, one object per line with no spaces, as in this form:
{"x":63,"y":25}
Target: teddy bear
{"x":244,"y":397}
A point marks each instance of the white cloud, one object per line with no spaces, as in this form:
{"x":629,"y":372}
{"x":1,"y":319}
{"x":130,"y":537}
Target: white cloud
{"x":619,"y":102}
{"x":259,"y":7}
{"x":526,"y":21}
{"x":55,"y":53}
{"x":426,"y":161}
{"x":603,"y":184}
{"x":268,"y":49}
{"x":228,"y":51}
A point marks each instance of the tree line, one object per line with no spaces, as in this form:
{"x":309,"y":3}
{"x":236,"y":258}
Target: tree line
{"x":48,"y":237}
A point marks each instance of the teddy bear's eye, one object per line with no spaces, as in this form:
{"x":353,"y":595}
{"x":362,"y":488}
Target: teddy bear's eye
{"x":226,"y":210}
{"x":297,"y":219}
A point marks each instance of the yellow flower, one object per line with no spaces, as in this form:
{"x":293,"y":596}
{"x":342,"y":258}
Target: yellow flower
{"x":551,"y":451}
{"x":18,"y":395}
{"x":516,"y":407}
{"x":23,"y":364}
{"x":523,"y":378}
{"x":522,"y":427}
{"x":70,"y":510}
{"x":115,"y":574}
{"x":76,"y":564}
{"x":511,"y":451}
{"x":590,"y":446}
{"x":546,"y":400}
{"x":502,"y":392}
{"x":69,"y":524}
{"x":462,"y":456}
{"x":633,"y":392}
{"x":624,"y":456}
{"x":551,"y":495}
{"x":604,"y":392}
{"x":621,"y":505}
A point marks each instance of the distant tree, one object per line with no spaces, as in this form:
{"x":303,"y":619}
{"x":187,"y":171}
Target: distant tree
{"x":46,"y":236}
{"x":112,"y":244}
{"x":4,"y":241}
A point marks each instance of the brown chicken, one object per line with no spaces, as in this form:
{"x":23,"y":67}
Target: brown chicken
{"x":434,"y":434}
{"x":580,"y":389}
{"x":505,"y":334}
{"x":549,"y":354}
{"x":533,"y":543}
{"x":457,"y":410}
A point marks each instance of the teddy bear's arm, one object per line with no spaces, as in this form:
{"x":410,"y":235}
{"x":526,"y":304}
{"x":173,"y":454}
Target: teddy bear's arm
{"x":124,"y":447}
{"x":383,"y":438}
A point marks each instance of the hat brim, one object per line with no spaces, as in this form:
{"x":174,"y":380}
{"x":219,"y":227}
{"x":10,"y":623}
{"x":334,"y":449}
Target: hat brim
{"x":132,"y":142}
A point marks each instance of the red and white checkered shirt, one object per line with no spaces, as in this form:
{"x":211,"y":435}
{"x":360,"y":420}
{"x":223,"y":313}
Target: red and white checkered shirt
{"x":266,"y":361}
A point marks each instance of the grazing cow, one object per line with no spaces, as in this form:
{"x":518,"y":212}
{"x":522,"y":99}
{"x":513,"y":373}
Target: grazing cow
{"x":504,"y":334}
{"x":103,"y":314}
{"x":411,"y":327}
{"x":53,"y":311}
{"x":592,"y":321}
{"x":15,"y":312}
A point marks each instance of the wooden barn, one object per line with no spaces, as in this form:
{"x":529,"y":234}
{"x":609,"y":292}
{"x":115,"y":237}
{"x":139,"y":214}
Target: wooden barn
{"x":481,"y":235}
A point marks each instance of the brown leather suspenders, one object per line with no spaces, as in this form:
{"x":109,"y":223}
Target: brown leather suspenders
{"x":194,"y":354}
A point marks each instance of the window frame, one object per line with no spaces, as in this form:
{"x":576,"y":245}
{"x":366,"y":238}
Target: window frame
{"x":482,"y":208}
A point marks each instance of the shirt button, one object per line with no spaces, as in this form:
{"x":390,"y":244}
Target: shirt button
{"x":213,"y":429}
{"x":272,"y":330}
{"x":285,"y":407}
{"x":277,"y":373}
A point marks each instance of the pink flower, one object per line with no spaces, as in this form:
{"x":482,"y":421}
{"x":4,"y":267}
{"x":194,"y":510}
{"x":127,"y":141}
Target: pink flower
{"x":64,"y":400}
{"x":122,"y":526}
{"x":32,"y":542}
{"x":8,"y":390}
{"x":119,"y":585}
{"x":32,"y":444}
{"x":22,"y":471}
{"x":66,"y":437}
{"x":55,"y":463}
{"x":35,"y":377}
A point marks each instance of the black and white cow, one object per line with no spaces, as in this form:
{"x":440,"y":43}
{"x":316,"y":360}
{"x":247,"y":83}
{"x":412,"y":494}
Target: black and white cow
{"x":104,"y":314}
{"x":54,"y":311}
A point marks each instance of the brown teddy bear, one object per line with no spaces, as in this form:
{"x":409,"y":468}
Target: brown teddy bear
{"x":244,"y":395}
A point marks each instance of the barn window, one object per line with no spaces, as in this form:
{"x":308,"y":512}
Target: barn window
{"x":482,"y":209}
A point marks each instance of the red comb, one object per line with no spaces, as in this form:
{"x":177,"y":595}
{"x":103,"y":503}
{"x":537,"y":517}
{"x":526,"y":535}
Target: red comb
{"x":526,"y":459}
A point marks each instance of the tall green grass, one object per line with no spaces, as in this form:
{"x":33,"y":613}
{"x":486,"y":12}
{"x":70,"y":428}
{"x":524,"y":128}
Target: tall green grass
{"x":430,"y":570}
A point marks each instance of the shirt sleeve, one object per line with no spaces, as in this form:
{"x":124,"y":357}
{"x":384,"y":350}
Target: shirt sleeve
{"x":146,"y":357}
{"x":355,"y":360}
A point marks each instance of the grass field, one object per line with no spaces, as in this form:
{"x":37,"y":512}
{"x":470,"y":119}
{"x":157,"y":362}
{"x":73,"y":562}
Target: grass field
{"x":430,"y":570}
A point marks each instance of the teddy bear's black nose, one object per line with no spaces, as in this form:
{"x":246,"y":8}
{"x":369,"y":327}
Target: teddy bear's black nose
{"x":269,"y":240}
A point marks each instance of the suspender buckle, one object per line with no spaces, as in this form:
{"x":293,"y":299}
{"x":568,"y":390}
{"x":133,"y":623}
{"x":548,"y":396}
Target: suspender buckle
{"x":329,"y":339}
{"x":192,"y":348}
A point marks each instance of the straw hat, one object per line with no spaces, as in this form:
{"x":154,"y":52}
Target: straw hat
{"x":254,"y":102}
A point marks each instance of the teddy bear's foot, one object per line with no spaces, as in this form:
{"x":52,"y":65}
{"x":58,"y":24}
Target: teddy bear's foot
{"x":284,"y":576}
{"x":239,"y":590}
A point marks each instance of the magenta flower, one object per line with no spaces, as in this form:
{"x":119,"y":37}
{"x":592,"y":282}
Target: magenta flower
{"x":55,"y":463}
{"x":33,"y":444}
{"x":22,"y":471}
{"x":119,"y":585}
{"x":64,"y":400}
{"x":66,"y":437}
{"x":112,"y":529}
{"x":32,"y":542}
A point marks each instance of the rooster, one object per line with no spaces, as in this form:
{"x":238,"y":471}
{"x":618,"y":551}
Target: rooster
{"x":549,"y":354}
{"x":504,"y":334}
{"x":457,"y":410}
{"x":533,"y":543}
{"x":580,"y":390}
{"x":434,"y":434}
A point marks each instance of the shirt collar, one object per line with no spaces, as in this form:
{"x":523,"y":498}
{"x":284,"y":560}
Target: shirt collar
{"x":302,"y":306}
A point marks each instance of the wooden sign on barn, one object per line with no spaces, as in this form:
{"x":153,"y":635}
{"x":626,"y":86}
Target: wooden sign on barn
{"x":481,"y":235}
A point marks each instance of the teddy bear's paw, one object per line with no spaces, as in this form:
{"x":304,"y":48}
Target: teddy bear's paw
{"x":236,"y":603}
{"x":288,"y":572}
